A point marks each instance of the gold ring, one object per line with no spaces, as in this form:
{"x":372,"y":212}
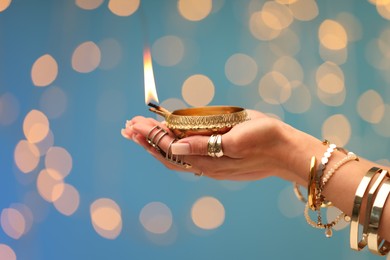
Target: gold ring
{"x":155,"y":139}
{"x":214,"y":146}
{"x":175,"y":159}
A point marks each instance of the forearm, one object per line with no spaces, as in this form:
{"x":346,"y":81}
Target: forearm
{"x":342,"y":186}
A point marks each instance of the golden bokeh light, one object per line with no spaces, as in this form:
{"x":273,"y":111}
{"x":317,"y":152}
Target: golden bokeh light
{"x":300,"y":99}
{"x":352,"y":26}
{"x":13,"y":223}
{"x":276,"y":16}
{"x":274,"y":88}
{"x":35,"y":126}
{"x":6,"y":253}
{"x":111,"y":53}
{"x":259,"y":29}
{"x":9,"y":109}
{"x":332,"y":35}
{"x":59,"y":160}
{"x":123,"y":7}
{"x":69,"y":200}
{"x":371,"y":107}
{"x":379,"y":2}
{"x":86,"y":57}
{"x":4,"y":4}
{"x":330,"y":78}
{"x":89,"y":4}
{"x":208,"y":213}
{"x":156,"y":217}
{"x":330,"y":99}
{"x":26,"y":156}
{"x":241,"y":69}
{"x":286,"y":44}
{"x":168,"y":50}
{"x":198,"y":90}
{"x":106,"y":218}
{"x":44,"y":71}
{"x":194,"y":10}
{"x":383,"y":127}
{"x":53,"y":102}
{"x":332,"y":213}
{"x":383,"y":9}
{"x":336,"y":56}
{"x":304,"y":10}
{"x":50,"y":185}
{"x":26,"y":213}
{"x":286,"y":2}
{"x":289,"y":67}
{"x":337,"y":129}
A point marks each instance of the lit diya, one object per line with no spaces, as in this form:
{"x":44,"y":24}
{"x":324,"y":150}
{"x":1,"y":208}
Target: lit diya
{"x":186,"y":122}
{"x":206,"y":120}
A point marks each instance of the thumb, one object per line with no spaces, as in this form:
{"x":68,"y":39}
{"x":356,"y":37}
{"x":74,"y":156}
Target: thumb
{"x":193,"y":145}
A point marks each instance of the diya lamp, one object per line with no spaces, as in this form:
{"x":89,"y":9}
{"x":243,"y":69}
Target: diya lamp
{"x":207,"y":120}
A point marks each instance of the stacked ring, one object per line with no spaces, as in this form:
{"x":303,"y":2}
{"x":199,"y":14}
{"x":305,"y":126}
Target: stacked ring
{"x":214,"y":146}
{"x":154,"y":137}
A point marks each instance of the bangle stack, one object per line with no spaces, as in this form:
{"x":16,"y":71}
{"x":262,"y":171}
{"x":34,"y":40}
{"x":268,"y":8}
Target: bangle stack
{"x":375,"y":193}
{"x":316,"y":184}
{"x":370,"y":197}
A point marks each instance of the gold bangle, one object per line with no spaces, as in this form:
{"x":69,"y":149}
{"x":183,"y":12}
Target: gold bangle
{"x":355,"y":242}
{"x":311,"y":188}
{"x":370,"y":201}
{"x":374,"y":240}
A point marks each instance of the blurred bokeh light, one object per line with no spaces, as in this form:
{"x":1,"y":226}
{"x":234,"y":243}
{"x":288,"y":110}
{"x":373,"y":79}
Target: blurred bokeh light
{"x":71,"y":74}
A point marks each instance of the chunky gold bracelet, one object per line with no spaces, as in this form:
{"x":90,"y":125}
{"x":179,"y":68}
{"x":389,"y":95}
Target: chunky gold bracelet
{"x":311,"y":188}
{"x":375,"y":244}
{"x":355,"y":242}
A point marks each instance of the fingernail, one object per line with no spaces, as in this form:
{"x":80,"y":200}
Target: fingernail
{"x":123,"y":132}
{"x":128,"y":123}
{"x":181,"y":148}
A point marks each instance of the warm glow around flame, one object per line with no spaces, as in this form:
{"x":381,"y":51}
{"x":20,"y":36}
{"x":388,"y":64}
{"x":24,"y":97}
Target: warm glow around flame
{"x":150,"y":85}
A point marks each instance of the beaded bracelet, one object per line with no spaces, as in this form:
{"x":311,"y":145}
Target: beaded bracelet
{"x":328,"y":226}
{"x":374,"y":241}
{"x":350,"y":157}
{"x":314,"y":189}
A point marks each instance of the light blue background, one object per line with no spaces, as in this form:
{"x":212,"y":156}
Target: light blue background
{"x":107,"y":165}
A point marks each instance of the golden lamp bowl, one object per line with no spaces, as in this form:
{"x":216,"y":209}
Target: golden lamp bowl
{"x":206,"y":120}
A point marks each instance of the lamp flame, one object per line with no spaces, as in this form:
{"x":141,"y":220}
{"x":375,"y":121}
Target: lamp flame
{"x":150,"y":85}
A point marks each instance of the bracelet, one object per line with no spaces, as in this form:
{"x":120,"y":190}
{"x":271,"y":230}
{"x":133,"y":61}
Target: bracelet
{"x":315,"y":198}
{"x":350,"y":157}
{"x":355,"y":242}
{"x":319,"y":224}
{"x":311,"y":188}
{"x":370,"y":201}
{"x":374,"y":241}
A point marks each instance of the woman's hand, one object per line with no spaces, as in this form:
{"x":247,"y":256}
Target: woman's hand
{"x":253,"y":150}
